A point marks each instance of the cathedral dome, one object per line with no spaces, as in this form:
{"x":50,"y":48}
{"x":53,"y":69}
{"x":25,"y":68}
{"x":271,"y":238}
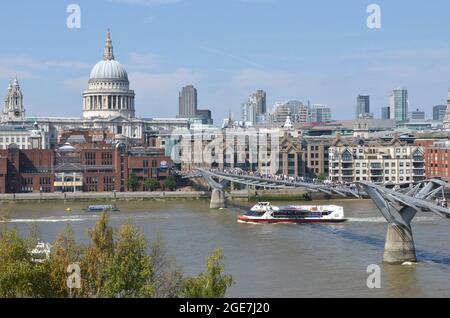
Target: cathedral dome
{"x":108,"y":93}
{"x":108,"y":69}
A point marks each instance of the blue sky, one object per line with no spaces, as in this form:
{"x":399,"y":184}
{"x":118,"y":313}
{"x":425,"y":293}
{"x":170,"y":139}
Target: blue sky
{"x":317,"y":50}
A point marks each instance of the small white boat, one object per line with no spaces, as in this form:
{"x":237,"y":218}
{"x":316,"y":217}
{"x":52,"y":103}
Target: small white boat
{"x":264,"y":212}
{"x":102,"y":208}
{"x":41,"y":252}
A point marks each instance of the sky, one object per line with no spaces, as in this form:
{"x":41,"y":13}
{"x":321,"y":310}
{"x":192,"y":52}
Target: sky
{"x":319,"y":50}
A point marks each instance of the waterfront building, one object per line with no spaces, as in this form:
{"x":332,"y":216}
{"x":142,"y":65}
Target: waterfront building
{"x":437,"y":160}
{"x":80,"y":167}
{"x":398,"y":104}
{"x":363,"y":107}
{"x":376,"y":160}
{"x":108,"y":102}
{"x":292,"y":158}
{"x":317,"y":155}
{"x":320,"y":114}
{"x":439,"y":112}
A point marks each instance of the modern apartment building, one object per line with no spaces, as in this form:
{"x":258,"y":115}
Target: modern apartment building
{"x":378,"y":161}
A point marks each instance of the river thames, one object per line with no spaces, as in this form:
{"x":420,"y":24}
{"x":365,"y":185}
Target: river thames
{"x":271,"y":260}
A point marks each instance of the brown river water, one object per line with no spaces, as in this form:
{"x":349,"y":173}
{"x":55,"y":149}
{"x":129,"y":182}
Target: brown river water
{"x":281,"y":260}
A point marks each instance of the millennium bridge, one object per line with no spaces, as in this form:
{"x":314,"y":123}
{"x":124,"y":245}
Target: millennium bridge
{"x":398,"y":206}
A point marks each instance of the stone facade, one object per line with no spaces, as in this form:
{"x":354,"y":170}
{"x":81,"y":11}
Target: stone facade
{"x":108,"y":103}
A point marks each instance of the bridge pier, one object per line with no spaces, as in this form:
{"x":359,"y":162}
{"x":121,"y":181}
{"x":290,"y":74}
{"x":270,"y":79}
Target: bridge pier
{"x":399,"y":246}
{"x":217,"y":199}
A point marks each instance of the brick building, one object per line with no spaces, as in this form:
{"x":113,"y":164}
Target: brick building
{"x":74,"y":168}
{"x":437,"y":160}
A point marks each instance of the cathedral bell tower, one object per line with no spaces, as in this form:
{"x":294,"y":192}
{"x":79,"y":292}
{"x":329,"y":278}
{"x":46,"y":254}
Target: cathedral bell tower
{"x":13,"y":109}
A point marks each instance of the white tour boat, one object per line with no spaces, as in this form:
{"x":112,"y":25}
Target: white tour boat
{"x":264,"y":212}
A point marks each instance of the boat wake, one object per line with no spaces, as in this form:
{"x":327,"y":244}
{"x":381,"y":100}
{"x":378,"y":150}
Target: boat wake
{"x":85,"y":218}
{"x":72,"y":218}
{"x":417,"y":219}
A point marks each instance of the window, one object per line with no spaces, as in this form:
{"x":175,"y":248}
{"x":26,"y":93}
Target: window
{"x":107,"y":159}
{"x":347,"y":156}
{"x":89,"y":158}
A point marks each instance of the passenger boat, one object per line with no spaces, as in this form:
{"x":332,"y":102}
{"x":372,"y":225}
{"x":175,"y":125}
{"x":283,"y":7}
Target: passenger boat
{"x":264,"y":212}
{"x":102,"y":208}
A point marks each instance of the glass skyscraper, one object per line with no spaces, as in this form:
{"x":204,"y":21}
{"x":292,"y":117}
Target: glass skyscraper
{"x":398,"y":104}
{"x":362,"y":106}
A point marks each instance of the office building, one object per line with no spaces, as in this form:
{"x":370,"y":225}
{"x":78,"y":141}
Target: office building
{"x":386,"y":113}
{"x":416,"y":115}
{"x":398,"y":104}
{"x":320,"y":114}
{"x":188,"y":102}
{"x":362,"y":106}
{"x":439,"y":112}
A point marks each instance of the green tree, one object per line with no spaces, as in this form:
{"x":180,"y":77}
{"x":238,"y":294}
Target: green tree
{"x":322,"y":177}
{"x":129,"y":270}
{"x":170,"y":183}
{"x":212,"y":284}
{"x":97,"y":257}
{"x":114,"y":264}
{"x":19,"y":275}
{"x":133,"y":182}
{"x":64,"y":251}
{"x":152,"y":184}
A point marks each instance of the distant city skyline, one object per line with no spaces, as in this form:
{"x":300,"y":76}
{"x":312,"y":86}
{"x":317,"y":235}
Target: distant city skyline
{"x":328,"y":63}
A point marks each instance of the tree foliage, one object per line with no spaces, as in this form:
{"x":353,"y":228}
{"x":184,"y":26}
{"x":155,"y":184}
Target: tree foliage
{"x":152,"y":184}
{"x":133,"y":182}
{"x":115,"y":263}
{"x":170,"y":183}
{"x":211,"y":284}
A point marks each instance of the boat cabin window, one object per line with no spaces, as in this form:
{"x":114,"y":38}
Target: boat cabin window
{"x":255,"y":213}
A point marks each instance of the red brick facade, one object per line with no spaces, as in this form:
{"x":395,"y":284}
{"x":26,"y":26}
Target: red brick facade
{"x":89,"y":168}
